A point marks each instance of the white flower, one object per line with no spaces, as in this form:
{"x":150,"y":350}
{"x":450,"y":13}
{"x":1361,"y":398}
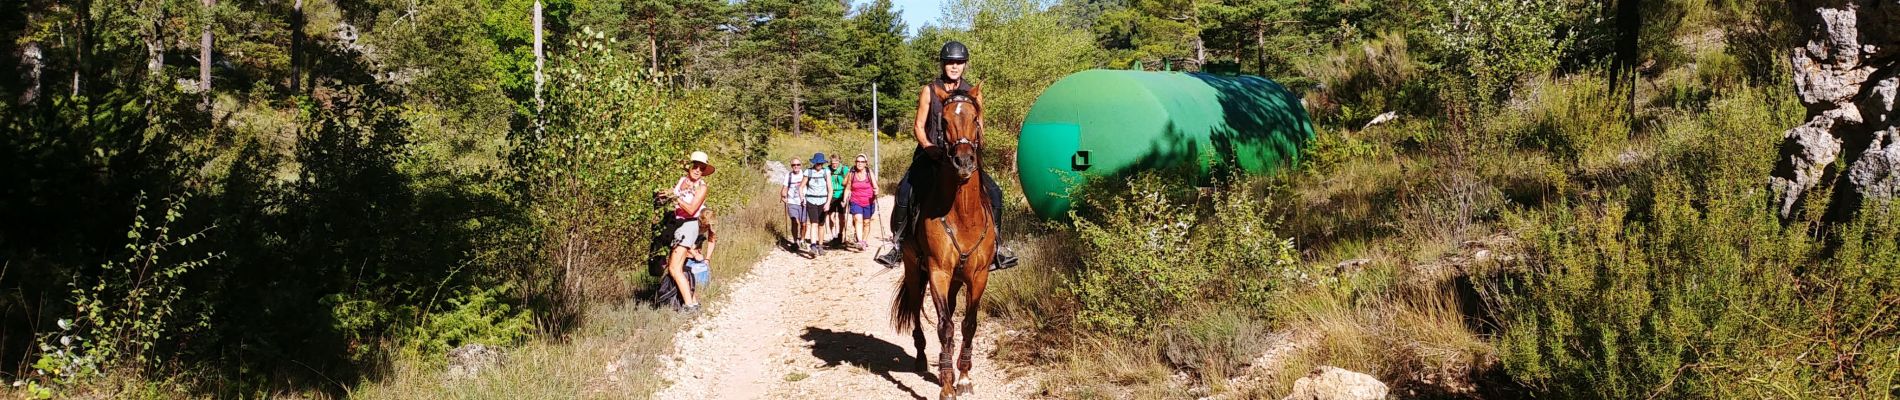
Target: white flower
{"x":65,"y":324}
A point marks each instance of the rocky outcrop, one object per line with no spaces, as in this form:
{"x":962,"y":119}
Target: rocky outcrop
{"x":470,"y":360}
{"x":1329,"y":383}
{"x":1845,"y":74}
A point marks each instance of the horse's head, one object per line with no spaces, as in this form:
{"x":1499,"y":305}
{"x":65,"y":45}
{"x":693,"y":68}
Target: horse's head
{"x":963,"y":131}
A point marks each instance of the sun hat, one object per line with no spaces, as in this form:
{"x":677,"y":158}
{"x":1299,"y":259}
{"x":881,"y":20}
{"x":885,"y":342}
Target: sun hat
{"x":704,"y":161}
{"x":817,"y":158}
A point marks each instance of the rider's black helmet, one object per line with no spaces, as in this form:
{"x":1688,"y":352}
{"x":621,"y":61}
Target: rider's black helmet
{"x":954,"y":51}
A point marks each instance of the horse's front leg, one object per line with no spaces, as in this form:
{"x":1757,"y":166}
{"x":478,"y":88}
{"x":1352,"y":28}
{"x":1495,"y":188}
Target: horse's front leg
{"x":964,"y":384}
{"x":947,"y":338}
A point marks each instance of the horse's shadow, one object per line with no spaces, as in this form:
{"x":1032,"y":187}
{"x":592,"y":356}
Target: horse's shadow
{"x":876,"y":355}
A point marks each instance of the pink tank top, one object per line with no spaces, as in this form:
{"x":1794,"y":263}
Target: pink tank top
{"x":862,"y":191}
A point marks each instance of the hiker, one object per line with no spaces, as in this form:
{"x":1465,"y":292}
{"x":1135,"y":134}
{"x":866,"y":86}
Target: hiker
{"x":689,"y":200}
{"x":834,"y":214}
{"x":817,"y":197}
{"x":928,"y":130}
{"x":794,"y":194}
{"x":861,"y":192}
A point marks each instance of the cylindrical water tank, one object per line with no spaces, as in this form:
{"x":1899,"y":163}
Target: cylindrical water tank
{"x":1113,"y":122}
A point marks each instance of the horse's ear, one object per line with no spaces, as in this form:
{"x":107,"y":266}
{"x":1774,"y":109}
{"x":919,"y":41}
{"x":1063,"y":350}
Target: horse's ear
{"x":936,"y":91}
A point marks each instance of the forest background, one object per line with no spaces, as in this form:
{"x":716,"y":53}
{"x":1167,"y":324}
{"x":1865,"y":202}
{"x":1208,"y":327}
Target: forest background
{"x":250,"y":198}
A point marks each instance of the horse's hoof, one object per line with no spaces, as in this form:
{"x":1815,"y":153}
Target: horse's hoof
{"x":965,"y":388}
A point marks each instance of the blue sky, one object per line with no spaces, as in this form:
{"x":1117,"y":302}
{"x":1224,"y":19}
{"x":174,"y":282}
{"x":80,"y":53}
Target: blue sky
{"x":916,"y":13}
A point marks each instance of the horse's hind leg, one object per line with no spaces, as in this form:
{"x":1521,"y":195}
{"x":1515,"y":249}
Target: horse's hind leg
{"x":917,"y":335}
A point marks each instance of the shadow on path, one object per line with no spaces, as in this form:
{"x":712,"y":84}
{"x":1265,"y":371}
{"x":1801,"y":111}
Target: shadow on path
{"x":876,"y":355}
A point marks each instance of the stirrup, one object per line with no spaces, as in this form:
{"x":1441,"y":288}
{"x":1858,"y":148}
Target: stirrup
{"x":1004,"y":259}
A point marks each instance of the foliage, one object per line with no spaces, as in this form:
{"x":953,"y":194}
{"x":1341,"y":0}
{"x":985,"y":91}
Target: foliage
{"x":1018,"y":48}
{"x":482,"y":316}
{"x":1688,"y":287}
{"x":1578,"y":121}
{"x":611,"y":140}
{"x":1491,"y":44}
{"x":1147,"y":254}
{"x":131,"y":309}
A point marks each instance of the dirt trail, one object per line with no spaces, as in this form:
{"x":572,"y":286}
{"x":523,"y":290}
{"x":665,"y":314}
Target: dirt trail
{"x":816,"y":329}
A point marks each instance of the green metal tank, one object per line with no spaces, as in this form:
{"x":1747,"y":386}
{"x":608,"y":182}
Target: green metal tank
{"x":1114,"y":122}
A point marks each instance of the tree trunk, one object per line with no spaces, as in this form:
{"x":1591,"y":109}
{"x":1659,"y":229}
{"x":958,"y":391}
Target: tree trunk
{"x":653,"y":48}
{"x":1260,"y":49}
{"x":204,"y":58}
{"x":798,"y":106}
{"x":540,"y":60}
{"x":296,"y":45}
{"x":798,"y":87}
{"x":32,"y":60}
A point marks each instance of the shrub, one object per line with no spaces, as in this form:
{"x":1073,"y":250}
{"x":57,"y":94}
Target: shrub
{"x":611,"y":139}
{"x":479,"y":316}
{"x":129,"y":310}
{"x":1577,"y":120}
{"x":1150,"y":252}
{"x":1686,"y":285}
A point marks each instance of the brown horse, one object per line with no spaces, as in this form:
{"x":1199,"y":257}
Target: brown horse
{"x":951,"y":246}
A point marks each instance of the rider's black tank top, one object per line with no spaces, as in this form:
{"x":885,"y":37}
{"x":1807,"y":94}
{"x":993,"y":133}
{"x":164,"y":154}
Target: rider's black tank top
{"x":933,"y":122}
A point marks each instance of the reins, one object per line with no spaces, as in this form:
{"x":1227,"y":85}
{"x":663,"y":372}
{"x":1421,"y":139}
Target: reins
{"x":963,"y":256}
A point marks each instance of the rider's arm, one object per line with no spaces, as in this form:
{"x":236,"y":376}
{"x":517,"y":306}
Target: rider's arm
{"x":923,"y":114}
{"x":977,"y":92}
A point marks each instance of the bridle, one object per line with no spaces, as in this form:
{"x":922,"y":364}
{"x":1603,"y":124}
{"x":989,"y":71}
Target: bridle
{"x":955,"y":99}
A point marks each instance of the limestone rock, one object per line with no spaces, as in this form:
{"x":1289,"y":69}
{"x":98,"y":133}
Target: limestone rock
{"x":1329,"y":383}
{"x":470,"y":359}
{"x":1845,"y":75}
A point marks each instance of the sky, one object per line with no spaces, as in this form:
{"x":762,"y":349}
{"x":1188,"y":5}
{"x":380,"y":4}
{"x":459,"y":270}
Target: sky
{"x":916,"y":13}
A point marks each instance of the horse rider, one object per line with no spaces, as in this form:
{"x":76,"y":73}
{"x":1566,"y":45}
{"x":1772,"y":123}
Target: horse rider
{"x":929,"y":132}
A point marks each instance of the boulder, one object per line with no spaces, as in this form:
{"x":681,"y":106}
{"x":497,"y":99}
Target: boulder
{"x":1844,"y":74}
{"x":470,"y":359}
{"x":1329,"y":383}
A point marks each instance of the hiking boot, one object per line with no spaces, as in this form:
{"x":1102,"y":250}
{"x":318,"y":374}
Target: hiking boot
{"x":1005,"y":259}
{"x":891,"y":259}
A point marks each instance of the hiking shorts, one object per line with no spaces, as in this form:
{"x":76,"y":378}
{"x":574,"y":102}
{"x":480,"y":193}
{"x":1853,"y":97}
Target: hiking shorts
{"x":797,"y":212}
{"x":867,"y":211}
{"x":687,"y":235}
{"x":814,"y":213}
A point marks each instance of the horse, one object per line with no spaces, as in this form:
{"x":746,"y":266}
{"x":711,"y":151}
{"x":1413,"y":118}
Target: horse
{"x":951,"y":245}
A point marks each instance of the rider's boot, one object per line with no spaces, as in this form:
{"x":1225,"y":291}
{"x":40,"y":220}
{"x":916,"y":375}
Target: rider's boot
{"x":900,"y":213}
{"x":1005,"y":258}
{"x":900,"y":220}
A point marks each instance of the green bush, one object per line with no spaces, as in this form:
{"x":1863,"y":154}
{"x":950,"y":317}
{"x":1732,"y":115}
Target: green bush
{"x":612,"y":139}
{"x":479,"y":316}
{"x":1576,"y":120}
{"x":1686,"y":285}
{"x":127,"y":310}
{"x":1151,"y":252}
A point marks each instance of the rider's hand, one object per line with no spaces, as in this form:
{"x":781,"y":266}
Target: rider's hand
{"x":935,"y":152}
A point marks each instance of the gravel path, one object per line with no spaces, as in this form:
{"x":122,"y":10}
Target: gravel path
{"x":816,"y":329}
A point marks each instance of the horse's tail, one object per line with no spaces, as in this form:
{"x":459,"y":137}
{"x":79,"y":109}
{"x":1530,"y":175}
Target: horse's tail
{"x":908,"y":307}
